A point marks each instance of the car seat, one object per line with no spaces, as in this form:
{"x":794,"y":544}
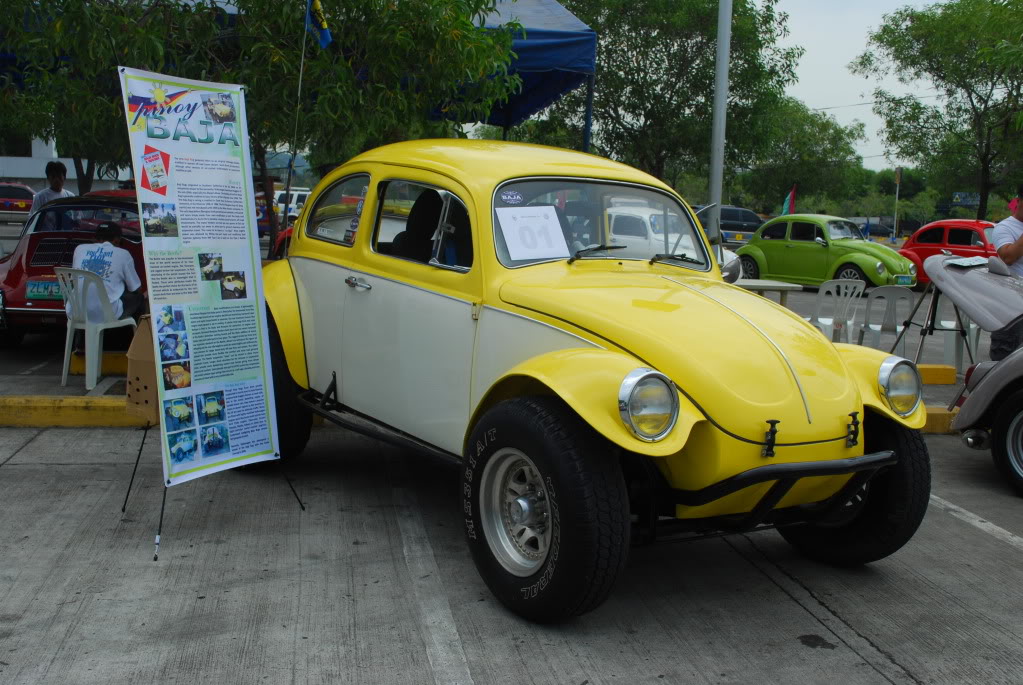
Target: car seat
{"x":458,"y":245}
{"x":416,"y":241}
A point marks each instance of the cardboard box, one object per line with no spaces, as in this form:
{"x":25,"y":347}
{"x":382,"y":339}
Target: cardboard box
{"x":143,"y":397}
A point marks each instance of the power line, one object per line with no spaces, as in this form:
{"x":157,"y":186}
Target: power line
{"x":873,"y":102}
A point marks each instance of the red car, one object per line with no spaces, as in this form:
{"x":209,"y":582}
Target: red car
{"x":30,"y":298}
{"x":15,"y":202}
{"x":965,"y":237}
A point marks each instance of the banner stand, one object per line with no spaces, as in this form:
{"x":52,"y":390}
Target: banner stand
{"x":163,"y":505}
{"x":288,"y":480}
{"x":145,"y":432}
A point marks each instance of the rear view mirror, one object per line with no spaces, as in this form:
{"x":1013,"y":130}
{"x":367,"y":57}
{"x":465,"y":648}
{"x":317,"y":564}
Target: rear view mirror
{"x":731,"y":271}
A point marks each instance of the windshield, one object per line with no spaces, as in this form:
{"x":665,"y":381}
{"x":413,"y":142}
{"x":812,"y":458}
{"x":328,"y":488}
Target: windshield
{"x":545,"y":220}
{"x":837,"y":230}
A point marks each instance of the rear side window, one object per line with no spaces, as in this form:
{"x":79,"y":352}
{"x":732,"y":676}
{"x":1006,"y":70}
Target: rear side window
{"x":750,"y":217}
{"x":961,"y":236}
{"x":335,"y":218}
{"x":932,"y":236}
{"x":15,"y":193}
{"x":774,"y":232}
{"x":628,"y":225}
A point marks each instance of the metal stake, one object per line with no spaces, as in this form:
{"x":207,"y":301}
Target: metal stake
{"x":145,"y":432}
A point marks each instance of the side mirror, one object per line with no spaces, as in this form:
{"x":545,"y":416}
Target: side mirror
{"x":731,"y":271}
{"x":820,"y":241}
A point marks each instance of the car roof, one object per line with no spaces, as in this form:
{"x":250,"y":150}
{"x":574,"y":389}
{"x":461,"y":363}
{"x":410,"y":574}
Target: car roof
{"x":812,"y":217}
{"x":474,"y":160}
{"x":957,"y":223}
{"x":17,"y":185}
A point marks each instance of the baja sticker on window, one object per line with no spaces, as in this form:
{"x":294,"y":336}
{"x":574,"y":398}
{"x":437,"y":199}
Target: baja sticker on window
{"x":511,"y":197}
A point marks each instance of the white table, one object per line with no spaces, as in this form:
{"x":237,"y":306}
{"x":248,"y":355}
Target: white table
{"x":762,"y":285}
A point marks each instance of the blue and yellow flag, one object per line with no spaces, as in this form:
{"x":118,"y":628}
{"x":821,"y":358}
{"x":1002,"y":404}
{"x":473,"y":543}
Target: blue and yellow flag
{"x":316,"y":22}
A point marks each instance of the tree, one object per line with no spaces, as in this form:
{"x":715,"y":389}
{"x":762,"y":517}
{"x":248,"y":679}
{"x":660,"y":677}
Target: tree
{"x":969,"y":127}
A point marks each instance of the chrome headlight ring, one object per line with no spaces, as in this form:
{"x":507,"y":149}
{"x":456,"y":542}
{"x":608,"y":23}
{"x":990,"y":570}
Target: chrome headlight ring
{"x":912,"y":269}
{"x":899,"y":381}
{"x":647,"y":380}
{"x":880,"y":268}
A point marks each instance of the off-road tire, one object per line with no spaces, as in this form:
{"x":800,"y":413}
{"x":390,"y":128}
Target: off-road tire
{"x":750,"y":269}
{"x":585,"y":501}
{"x":887,"y":512}
{"x":294,"y":421}
{"x":1007,"y":440}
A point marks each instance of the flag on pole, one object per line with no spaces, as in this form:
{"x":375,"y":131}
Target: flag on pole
{"x":789,"y":206}
{"x":316,"y":22}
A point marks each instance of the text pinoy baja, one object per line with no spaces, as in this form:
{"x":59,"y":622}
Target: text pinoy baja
{"x":158,"y":127}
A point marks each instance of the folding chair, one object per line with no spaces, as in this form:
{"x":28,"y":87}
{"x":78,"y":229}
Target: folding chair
{"x":889,"y":320}
{"x":837,"y":297}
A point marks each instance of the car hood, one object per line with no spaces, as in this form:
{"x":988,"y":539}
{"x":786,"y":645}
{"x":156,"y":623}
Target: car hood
{"x":882,"y":252}
{"x":741,"y":358}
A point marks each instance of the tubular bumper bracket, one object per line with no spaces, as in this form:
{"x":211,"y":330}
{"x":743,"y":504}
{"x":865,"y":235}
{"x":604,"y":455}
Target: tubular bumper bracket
{"x":770,"y":437}
{"x":854,"y":430}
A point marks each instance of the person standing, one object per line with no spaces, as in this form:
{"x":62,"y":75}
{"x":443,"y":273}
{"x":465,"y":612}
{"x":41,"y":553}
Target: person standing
{"x":116,"y":267}
{"x":1007,"y":238}
{"x":56,"y":174}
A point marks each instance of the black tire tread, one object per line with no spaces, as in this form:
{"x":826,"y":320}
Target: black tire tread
{"x":1009,"y":408}
{"x":294,"y":422}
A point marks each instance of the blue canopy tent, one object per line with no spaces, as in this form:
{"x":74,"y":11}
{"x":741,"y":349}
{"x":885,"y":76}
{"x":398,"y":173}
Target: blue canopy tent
{"x":558,"y":53}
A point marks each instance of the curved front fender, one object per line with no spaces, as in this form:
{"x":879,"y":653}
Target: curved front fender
{"x":866,"y":263}
{"x":756,"y":253}
{"x":864,"y":363}
{"x":282,"y":300}
{"x":588,"y":381}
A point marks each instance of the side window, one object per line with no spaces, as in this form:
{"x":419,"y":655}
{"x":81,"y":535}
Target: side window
{"x":335,"y":217}
{"x":803,"y":230}
{"x":932,"y":236}
{"x":625,"y":224}
{"x":774,"y":232}
{"x":423,"y":224}
{"x":960,"y":236}
{"x":750,"y":217}
{"x":730,"y":214}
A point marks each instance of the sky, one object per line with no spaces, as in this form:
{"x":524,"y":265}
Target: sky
{"x":834,"y":33}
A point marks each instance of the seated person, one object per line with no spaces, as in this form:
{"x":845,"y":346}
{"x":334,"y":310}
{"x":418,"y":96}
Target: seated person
{"x":116,"y":267}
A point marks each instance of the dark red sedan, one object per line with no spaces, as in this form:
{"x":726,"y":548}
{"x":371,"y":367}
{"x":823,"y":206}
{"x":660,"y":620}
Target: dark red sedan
{"x":15,"y":202}
{"x":965,"y":237}
{"x":30,"y":298}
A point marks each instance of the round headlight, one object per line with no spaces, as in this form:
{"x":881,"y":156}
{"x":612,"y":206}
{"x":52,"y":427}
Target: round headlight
{"x":912,"y":269}
{"x":880,"y":269}
{"x":900,"y":384}
{"x":648,"y":403}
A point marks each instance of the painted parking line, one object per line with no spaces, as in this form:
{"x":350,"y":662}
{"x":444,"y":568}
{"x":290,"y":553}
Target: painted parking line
{"x":32,"y":369}
{"x":976,"y":521}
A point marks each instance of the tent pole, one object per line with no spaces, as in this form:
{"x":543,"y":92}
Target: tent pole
{"x":589,"y":113}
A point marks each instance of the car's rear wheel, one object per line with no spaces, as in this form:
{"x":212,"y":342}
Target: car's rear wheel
{"x":1007,"y":440}
{"x":294,"y":421}
{"x":851,"y":272}
{"x":546,"y":509}
{"x":883,"y":515}
{"x":749,"y":267}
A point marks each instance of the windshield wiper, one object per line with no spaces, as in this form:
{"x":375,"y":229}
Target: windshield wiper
{"x":681,"y":256}
{"x":595,"y":248}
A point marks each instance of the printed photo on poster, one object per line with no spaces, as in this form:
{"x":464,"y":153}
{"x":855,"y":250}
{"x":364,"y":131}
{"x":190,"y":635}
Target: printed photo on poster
{"x":212,"y":407}
{"x":214,"y":440}
{"x":173,"y":346}
{"x":170,"y":319}
{"x":211,"y":265}
{"x":160,"y":219}
{"x":182,"y":446}
{"x":232,"y":285}
{"x":179,"y":414}
{"x":177,"y":375}
{"x":219,"y":107}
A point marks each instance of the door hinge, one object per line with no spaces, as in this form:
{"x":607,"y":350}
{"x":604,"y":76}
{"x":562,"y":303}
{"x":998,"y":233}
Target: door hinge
{"x":476,"y":307}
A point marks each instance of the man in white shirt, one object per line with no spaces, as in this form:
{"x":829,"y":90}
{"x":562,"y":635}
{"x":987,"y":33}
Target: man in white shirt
{"x":1007,"y":238}
{"x":117,"y":269}
{"x":56,"y":173}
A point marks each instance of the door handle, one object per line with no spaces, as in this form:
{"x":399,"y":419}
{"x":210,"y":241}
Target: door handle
{"x":353,"y":282}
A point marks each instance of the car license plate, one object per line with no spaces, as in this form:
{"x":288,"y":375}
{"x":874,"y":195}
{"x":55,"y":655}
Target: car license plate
{"x":43,"y":290}
{"x":903,"y":280}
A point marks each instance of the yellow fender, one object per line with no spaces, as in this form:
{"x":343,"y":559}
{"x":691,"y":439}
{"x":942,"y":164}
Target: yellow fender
{"x":282,"y":300}
{"x":863,"y":363}
{"x":588,"y":381}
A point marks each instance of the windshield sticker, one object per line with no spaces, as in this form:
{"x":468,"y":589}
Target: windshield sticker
{"x":532,"y":232}
{"x":511,"y":197}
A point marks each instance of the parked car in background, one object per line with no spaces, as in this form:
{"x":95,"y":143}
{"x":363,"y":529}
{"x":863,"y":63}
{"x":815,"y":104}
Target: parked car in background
{"x":30,"y":297}
{"x":737,"y":223}
{"x":584,"y":387}
{"x":964,"y":237}
{"x":295,"y":201}
{"x":15,"y":202}
{"x":813,"y":248}
{"x":262,"y":217}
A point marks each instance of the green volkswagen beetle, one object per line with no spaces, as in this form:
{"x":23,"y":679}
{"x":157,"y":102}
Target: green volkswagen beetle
{"x":813,"y":248}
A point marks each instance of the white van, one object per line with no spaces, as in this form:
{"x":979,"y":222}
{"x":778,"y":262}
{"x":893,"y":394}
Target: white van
{"x":298,"y":197}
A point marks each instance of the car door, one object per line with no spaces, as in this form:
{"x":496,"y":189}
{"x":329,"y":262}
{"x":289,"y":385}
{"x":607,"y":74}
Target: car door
{"x":406,"y":344}
{"x":320,"y":274}
{"x":966,"y":242}
{"x":804,"y":258}
{"x":772,"y":243}
{"x":929,"y":242}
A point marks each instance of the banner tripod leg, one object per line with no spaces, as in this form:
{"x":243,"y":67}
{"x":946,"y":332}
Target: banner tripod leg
{"x":145,"y":432}
{"x":163,"y":505}
{"x":293,"y":491}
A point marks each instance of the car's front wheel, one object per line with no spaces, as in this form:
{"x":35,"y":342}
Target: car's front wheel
{"x":546,"y":509}
{"x":749,"y":267}
{"x":1007,"y":440}
{"x":884,"y":514}
{"x":851,"y":272}
{"x":294,"y":421}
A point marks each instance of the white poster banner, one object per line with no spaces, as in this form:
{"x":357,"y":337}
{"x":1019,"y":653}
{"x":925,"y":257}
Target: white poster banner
{"x":193,"y":177}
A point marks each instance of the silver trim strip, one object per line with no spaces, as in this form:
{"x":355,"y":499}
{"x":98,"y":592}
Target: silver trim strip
{"x":758,"y":329}
{"x":32,"y":310}
{"x":544,"y":323}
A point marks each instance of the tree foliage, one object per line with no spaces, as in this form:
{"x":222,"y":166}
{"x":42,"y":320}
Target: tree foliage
{"x":967,"y":132}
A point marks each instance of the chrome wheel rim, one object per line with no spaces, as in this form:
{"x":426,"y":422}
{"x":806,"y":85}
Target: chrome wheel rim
{"x":1014,"y":444}
{"x":514,"y":512}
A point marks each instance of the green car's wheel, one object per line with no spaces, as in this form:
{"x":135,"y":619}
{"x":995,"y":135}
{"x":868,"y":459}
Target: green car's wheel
{"x":1007,"y":440}
{"x":749,"y":267}
{"x":546,"y":509}
{"x":851,"y":272}
{"x":294,"y":421}
{"x":882,"y":516}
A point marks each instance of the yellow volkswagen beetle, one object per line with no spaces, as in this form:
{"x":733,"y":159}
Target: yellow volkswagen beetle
{"x":596,"y":391}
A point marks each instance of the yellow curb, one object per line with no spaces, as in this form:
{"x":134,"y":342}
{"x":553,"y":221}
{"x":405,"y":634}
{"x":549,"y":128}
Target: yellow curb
{"x":42,"y":411}
{"x":937,"y":374}
{"x":114,"y":364}
{"x":939,"y":420}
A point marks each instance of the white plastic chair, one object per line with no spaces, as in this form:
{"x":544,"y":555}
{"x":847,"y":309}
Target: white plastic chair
{"x":947,"y":324}
{"x":891,"y":317}
{"x":837,"y":297}
{"x":80,"y":288}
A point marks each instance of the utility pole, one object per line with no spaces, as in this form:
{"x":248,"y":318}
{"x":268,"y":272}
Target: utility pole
{"x":717,"y":138}
{"x":898,"y":183}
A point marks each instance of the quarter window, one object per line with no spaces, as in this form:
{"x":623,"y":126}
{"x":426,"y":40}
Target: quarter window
{"x":336,"y":216}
